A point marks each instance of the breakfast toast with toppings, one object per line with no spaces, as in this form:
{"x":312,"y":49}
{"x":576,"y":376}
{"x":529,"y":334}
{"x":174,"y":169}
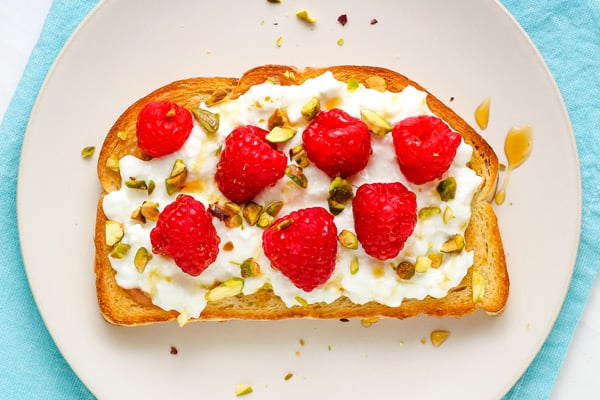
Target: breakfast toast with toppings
{"x":485,"y":285}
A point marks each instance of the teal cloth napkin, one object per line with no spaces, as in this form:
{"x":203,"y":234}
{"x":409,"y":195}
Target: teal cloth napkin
{"x":567,"y":34}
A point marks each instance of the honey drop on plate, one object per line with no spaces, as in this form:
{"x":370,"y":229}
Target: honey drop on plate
{"x":517,"y":147}
{"x":482,"y":113}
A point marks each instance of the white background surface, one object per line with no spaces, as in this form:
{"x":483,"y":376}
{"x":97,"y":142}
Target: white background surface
{"x":20,"y":24}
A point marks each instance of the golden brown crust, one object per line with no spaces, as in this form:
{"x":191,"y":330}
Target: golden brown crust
{"x":132,"y":307}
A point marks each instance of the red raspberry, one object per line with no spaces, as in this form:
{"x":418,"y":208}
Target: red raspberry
{"x":425,"y":147}
{"x":385,"y":215}
{"x":339,"y":144}
{"x":303,"y":246}
{"x":163,"y":127}
{"x":248,"y":164}
{"x":185,"y":232}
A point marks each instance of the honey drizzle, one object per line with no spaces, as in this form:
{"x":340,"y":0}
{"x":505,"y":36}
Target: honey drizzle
{"x":517,"y":147}
{"x":482,"y":113}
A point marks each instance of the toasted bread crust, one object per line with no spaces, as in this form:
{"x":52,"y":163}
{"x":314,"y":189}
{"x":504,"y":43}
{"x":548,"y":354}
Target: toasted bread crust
{"x":132,"y":307}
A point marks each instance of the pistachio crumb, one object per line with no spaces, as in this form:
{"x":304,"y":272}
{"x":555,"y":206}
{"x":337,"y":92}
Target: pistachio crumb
{"x":301,"y":301}
{"x":241,"y":390}
{"x":88,"y":151}
{"x":367,"y":322}
{"x":301,"y":341}
{"x":305,"y":16}
{"x":340,"y":41}
{"x":288,"y":376}
{"x":352,"y":84}
{"x":279,"y":40}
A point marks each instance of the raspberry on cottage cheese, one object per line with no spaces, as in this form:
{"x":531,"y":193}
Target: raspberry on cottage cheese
{"x":357,"y":275}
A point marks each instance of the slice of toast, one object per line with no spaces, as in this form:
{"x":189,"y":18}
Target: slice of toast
{"x":488,"y":276}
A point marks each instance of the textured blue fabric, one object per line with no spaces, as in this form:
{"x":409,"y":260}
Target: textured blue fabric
{"x":31,"y":367}
{"x":567,"y":33}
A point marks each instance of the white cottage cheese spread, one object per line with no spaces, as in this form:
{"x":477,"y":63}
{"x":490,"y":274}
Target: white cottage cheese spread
{"x":172,"y":289}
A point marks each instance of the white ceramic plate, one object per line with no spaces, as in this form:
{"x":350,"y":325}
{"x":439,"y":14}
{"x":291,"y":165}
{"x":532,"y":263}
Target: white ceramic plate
{"x":463,"y":50}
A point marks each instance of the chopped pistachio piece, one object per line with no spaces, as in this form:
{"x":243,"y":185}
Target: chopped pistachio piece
{"x":122,"y":135}
{"x":232,"y":207}
{"x":249,"y":268}
{"x":376,"y":82}
{"x":352,"y":84}
{"x":405,"y":270}
{"x":447,"y":215}
{"x":251,"y":212}
{"x":141,"y":259}
{"x":301,"y":301}
{"x":454,"y":245}
{"x":112,"y":163}
{"x":133,"y":183}
{"x":137,"y":216}
{"x":208,"y":121}
{"x":265,"y":220}
{"x":367,"y":322}
{"x":335,"y":207}
{"x":447,"y":189}
{"x":114,"y":232}
{"x":279,"y":118}
{"x":151,"y":187}
{"x":229,"y":288}
{"x":218,"y":96}
{"x":478,"y":286}
{"x":436,"y":259}
{"x":88,"y":151}
{"x":280,"y":134}
{"x":279,"y":40}
{"x":229,"y":215}
{"x":428,"y":212}
{"x":311,"y":108}
{"x":438,"y":337}
{"x":286,"y":223}
{"x":120,"y":250}
{"x":376,"y":123}
{"x":149,"y":210}
{"x":305,"y":16}
{"x":340,"y":191}
{"x":340,"y":41}
{"x":348,"y":239}
{"x":422,"y":264}
{"x":274,"y":208}
{"x":177,"y":177}
{"x":295,"y":173}
{"x":289,"y":75}
{"x":354,"y":266}
{"x":241,"y":390}
{"x":298,"y":155}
